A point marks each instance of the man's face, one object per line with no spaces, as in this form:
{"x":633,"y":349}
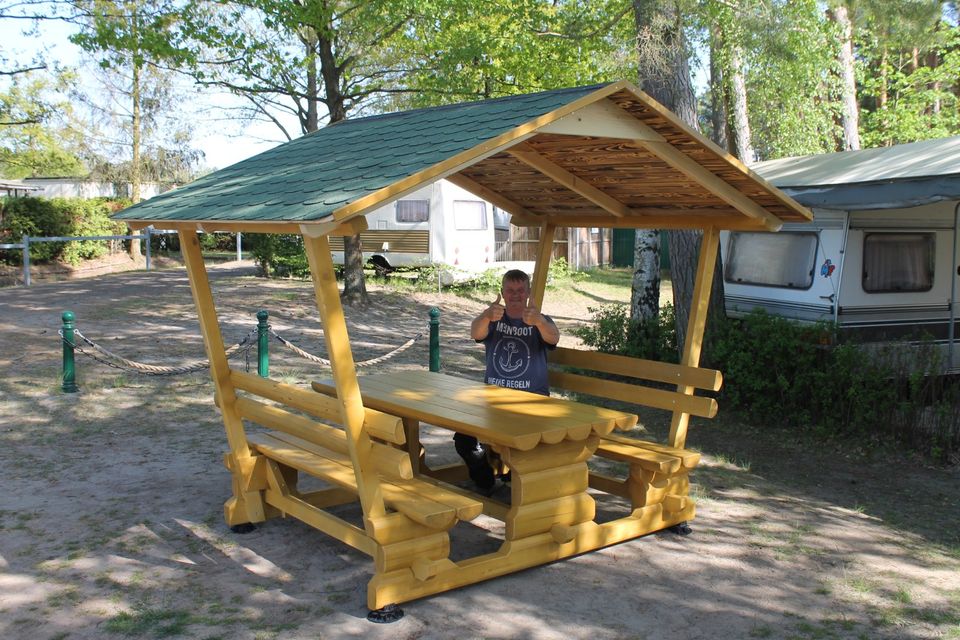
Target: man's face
{"x":515,"y":294}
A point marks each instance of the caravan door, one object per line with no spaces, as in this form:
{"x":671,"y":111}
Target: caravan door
{"x":900,"y":276}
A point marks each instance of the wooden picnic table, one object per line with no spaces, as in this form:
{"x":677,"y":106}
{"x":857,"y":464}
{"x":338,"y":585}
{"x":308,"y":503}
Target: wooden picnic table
{"x":546,"y":441}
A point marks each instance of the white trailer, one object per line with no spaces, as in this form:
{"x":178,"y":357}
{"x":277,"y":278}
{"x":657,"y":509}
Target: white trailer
{"x":438,"y":224}
{"x":881,"y":256}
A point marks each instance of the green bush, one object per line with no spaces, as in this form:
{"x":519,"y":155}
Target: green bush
{"x":280,"y":256}
{"x":612,"y":331}
{"x":42,"y":217}
{"x":806,"y":377}
{"x":781,"y":373}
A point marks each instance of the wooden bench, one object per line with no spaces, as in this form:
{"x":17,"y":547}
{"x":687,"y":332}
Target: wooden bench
{"x":410,"y":536}
{"x":658,"y":474}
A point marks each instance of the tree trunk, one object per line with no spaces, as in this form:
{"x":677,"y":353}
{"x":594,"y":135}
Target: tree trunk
{"x":354,"y":283}
{"x":135,"y":194}
{"x":850,"y":117}
{"x":645,"y":289}
{"x":741,"y":145}
{"x":718,"y":91}
{"x":665,"y":75}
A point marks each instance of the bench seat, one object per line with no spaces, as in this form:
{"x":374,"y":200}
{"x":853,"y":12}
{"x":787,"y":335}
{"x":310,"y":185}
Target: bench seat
{"x":423,"y":502}
{"x":652,"y":456}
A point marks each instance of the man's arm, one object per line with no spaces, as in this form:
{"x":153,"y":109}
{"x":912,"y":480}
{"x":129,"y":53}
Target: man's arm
{"x":480,"y":326}
{"x":548,"y":330}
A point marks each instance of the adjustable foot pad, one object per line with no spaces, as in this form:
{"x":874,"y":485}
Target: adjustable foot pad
{"x":245,"y":527}
{"x":384,"y":615}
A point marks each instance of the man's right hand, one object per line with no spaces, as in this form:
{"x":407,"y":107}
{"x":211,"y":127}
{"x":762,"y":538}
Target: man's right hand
{"x":495,"y":311}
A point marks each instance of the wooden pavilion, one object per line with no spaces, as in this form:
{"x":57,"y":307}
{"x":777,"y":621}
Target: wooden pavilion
{"x":602,"y":156}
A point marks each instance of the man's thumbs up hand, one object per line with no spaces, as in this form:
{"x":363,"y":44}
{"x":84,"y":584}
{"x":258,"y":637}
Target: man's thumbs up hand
{"x":531,"y":315}
{"x":495,"y":311}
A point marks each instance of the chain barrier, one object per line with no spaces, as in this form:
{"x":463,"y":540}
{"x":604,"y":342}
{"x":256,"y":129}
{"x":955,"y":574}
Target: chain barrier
{"x":119,"y":362}
{"x":326,"y":363}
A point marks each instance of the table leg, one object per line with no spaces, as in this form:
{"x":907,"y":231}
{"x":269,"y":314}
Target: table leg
{"x":549,"y":487}
{"x":411,"y":428}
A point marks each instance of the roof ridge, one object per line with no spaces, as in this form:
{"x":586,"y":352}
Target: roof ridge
{"x":457,"y":105}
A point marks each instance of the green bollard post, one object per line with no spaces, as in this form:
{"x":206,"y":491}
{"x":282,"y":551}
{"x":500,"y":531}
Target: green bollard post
{"x":69,"y":367}
{"x":435,"y":339}
{"x":263,"y":344}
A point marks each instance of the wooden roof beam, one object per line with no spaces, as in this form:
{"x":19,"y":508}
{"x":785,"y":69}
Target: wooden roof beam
{"x":606,"y":119}
{"x":679,"y":220}
{"x":709,"y":181}
{"x":646,"y":138}
{"x":491,"y":196}
{"x":527,"y":155}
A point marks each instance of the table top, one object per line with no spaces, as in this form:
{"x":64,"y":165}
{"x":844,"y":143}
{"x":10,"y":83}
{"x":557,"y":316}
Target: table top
{"x":517,"y":419}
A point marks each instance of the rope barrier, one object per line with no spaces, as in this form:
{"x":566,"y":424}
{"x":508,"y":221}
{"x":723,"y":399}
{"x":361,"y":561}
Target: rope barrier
{"x":116,"y":361}
{"x":326,"y":363}
{"x":119,"y":362}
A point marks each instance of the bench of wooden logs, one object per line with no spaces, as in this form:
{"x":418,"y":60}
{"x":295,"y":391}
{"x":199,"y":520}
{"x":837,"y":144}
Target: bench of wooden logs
{"x":411,"y":535}
{"x":658,"y":473}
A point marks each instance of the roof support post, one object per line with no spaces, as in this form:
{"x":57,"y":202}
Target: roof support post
{"x":246,"y":505}
{"x":697,"y":322}
{"x":345,"y":377}
{"x":542,"y":268}
{"x":213,"y":342}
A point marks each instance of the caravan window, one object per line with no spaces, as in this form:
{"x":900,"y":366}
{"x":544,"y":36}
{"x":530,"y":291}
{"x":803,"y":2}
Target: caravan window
{"x":501,"y":219}
{"x":469,"y":215}
{"x":894,"y":262}
{"x":771,"y":259}
{"x":413,"y":211}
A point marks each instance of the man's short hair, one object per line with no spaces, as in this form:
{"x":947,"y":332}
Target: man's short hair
{"x":515,"y":275}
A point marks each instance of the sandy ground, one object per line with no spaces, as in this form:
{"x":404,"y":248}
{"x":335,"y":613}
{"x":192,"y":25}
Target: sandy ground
{"x":111,"y":515}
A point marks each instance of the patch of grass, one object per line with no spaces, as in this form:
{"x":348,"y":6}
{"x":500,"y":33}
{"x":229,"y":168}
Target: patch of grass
{"x":902,"y":596}
{"x":761,"y":632}
{"x":862,"y":585}
{"x":70,"y":595}
{"x":160,"y":623}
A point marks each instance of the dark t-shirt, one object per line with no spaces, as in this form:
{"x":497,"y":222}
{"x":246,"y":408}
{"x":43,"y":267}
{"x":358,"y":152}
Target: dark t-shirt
{"x":516,"y":356}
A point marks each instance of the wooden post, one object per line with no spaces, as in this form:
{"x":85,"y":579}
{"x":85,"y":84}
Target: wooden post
{"x":345,"y":377}
{"x":213,"y":342}
{"x":697,"y":322}
{"x":542,"y":268}
{"x":246,"y":505}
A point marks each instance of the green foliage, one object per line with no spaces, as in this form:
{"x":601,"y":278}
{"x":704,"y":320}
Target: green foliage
{"x":612,"y":331}
{"x":790,"y":53}
{"x":906,"y":103}
{"x":41,"y":217}
{"x":280,"y":256}
{"x":36,"y":137}
{"x":782,"y":373}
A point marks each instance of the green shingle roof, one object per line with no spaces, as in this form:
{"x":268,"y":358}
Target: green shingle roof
{"x":310,"y":177}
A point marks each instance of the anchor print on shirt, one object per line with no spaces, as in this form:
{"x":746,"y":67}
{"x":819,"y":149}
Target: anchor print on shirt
{"x":511,"y":357}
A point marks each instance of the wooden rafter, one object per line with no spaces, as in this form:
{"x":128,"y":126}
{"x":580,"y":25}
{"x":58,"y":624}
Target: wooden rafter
{"x":658,"y":220}
{"x":709,"y":181}
{"x":529,"y":156}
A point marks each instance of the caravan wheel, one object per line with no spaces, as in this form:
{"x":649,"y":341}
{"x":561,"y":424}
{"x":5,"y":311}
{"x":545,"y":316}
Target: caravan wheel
{"x":381,"y":267}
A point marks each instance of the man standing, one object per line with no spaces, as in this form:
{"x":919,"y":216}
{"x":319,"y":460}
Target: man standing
{"x":516,"y":337}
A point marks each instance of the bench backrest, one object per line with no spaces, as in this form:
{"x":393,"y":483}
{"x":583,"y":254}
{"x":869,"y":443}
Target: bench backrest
{"x":639,"y":369}
{"x":389,"y":460}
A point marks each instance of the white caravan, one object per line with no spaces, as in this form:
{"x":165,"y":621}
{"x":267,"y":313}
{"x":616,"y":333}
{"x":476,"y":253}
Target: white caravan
{"x":882,"y":256}
{"x":439,"y":223}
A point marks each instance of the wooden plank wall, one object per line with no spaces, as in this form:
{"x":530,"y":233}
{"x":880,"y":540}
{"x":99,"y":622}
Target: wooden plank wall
{"x":524,"y":241}
{"x":593,"y":249}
